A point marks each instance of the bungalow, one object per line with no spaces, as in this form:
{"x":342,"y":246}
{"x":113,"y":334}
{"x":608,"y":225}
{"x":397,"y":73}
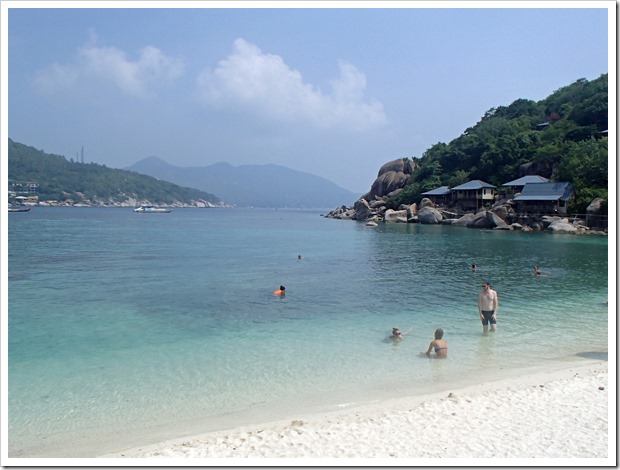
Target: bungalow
{"x":518,"y":184}
{"x":544,"y":198}
{"x":441,"y":195}
{"x":473,"y":194}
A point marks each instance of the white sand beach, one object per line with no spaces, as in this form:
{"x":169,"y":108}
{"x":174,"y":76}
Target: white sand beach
{"x":563,"y":414}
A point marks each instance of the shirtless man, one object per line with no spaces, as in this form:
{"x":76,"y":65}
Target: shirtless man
{"x":487,"y":307}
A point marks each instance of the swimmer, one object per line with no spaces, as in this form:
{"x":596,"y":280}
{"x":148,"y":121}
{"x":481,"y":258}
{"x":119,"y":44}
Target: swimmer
{"x":280,"y":291}
{"x":396,"y":334}
{"x":537,"y":271}
{"x":440,"y":345}
{"x":474,"y":267}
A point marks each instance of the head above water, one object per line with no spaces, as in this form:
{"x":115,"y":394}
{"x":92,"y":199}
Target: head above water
{"x":282,"y":288}
{"x":438,"y":333}
{"x":395,"y":331}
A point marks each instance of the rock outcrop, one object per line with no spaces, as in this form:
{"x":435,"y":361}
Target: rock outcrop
{"x":429,"y":215}
{"x":392,"y":178}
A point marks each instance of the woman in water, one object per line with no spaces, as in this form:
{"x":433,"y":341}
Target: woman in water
{"x":396,"y":334}
{"x":440,"y":345}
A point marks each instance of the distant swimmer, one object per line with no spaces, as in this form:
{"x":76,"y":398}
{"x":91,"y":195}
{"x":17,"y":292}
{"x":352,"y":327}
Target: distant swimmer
{"x":280,"y":291}
{"x":298,"y":256}
{"x":474,"y":267}
{"x":439,"y":344}
{"x":537,"y":271}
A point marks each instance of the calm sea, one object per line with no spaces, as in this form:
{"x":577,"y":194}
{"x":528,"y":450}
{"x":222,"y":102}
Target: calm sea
{"x":125,"y":329}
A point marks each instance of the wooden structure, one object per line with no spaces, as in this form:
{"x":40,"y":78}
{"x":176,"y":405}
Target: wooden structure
{"x":516,"y":186}
{"x":473,"y":194}
{"x":544,"y":198}
{"x":441,"y":195}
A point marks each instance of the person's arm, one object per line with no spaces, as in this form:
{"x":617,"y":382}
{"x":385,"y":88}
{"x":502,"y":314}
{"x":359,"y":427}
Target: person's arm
{"x":496,"y":305}
{"x":430,"y":348}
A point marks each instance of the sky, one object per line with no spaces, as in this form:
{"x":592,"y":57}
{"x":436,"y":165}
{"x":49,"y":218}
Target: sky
{"x":331,"y":89}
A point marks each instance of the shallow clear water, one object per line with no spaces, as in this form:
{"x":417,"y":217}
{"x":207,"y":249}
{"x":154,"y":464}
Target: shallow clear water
{"x":126,"y":325}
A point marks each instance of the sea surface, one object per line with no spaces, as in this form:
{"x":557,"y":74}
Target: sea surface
{"x":126,"y":329}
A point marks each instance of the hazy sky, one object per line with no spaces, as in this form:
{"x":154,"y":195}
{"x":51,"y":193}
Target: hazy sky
{"x":336,"y":92}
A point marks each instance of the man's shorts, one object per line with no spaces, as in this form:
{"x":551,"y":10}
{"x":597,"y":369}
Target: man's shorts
{"x":488,"y":317}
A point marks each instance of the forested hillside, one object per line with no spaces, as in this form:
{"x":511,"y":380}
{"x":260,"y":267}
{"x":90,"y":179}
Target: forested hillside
{"x":563,"y":137}
{"x":60,"y":179}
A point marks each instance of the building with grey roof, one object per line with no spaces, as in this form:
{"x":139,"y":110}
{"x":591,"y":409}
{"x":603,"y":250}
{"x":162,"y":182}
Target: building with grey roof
{"x":544,"y":198}
{"x":516,"y":186}
{"x":441,"y":195}
{"x":473,"y":194}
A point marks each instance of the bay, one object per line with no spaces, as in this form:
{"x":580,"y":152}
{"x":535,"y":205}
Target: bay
{"x":125,"y":329}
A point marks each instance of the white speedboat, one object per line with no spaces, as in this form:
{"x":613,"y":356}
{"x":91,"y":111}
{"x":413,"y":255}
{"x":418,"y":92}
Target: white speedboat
{"x":152,"y":210}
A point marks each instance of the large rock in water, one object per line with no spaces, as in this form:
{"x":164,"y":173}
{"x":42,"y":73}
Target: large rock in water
{"x":562,"y":226}
{"x":479,"y":220}
{"x":429,"y":215}
{"x":497,"y":222}
{"x":395,"y":216}
{"x":362,"y":209}
{"x":463,"y":221}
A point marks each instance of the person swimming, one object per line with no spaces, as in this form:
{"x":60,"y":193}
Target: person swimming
{"x":281,"y":291}
{"x":396,"y":334}
{"x":439,"y":345}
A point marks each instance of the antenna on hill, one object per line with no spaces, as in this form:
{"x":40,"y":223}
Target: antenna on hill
{"x":82,"y":154}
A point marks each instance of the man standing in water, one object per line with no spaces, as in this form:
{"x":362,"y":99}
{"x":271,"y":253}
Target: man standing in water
{"x":487,"y":307}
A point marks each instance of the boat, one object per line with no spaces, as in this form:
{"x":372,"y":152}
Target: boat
{"x":152,"y":210}
{"x":18,"y":208}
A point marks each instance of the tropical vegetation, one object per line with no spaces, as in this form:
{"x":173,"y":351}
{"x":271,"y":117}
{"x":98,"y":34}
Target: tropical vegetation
{"x":60,"y":179}
{"x":562,"y":137}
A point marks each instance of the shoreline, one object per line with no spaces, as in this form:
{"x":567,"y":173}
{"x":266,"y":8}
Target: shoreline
{"x":522,"y":417}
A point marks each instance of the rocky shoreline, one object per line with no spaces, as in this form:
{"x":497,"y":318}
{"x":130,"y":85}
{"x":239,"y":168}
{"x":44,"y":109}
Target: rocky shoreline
{"x":372,"y":208}
{"x":483,"y":219}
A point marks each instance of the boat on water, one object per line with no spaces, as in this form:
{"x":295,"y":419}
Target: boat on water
{"x":18,"y":208}
{"x":152,"y":210}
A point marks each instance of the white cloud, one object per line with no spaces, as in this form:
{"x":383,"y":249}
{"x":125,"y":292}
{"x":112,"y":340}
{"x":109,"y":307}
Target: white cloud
{"x":266,"y":85}
{"x":111,"y":66}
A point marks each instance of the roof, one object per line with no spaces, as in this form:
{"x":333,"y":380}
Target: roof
{"x":526,"y":179}
{"x":441,"y":191}
{"x":545,"y":192}
{"x":472,"y":186}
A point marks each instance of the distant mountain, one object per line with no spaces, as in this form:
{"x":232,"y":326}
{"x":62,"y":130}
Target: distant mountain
{"x":252,"y":185}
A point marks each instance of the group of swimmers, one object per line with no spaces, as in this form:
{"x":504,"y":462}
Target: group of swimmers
{"x":487,"y":309}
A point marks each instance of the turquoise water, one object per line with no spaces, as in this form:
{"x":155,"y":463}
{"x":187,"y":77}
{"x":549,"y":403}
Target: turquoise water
{"x":130,"y":328}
